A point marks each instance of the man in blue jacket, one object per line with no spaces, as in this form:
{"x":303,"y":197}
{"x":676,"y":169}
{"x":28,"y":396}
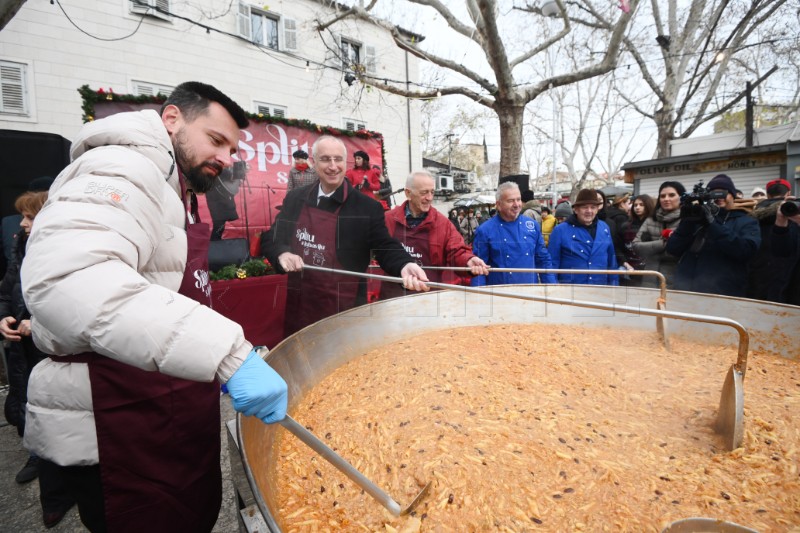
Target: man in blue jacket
{"x":508,"y":240}
{"x":583,"y":242}
{"x":715,"y":241}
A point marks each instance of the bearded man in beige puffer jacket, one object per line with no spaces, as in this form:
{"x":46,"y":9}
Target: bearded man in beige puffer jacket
{"x":127,"y":407}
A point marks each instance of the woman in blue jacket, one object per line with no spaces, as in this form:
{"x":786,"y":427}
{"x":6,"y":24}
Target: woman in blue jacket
{"x":583,"y":242}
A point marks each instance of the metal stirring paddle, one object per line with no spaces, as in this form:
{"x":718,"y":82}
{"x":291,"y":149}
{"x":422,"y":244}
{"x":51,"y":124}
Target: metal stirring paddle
{"x":358,"y":478}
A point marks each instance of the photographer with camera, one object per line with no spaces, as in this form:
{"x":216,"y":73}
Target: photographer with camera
{"x":715,"y":240}
{"x":770,"y":274}
{"x":785,"y":245}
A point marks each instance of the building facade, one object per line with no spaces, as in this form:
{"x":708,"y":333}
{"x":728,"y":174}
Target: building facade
{"x":271,"y":59}
{"x":775,"y":153}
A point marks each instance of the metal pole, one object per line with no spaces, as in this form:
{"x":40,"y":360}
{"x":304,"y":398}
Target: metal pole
{"x":450,"y":153}
{"x":555,"y":130}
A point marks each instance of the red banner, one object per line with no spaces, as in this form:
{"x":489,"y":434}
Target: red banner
{"x":266,"y":148}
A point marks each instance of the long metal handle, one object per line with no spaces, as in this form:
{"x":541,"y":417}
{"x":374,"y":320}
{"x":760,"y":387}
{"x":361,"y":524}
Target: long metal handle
{"x":662,"y":281}
{"x":744,"y":337}
{"x":661,"y":328}
{"x":349,"y":470}
{"x":336,"y":460}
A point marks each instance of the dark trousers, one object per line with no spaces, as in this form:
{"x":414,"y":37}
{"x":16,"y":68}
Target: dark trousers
{"x":65,"y":485}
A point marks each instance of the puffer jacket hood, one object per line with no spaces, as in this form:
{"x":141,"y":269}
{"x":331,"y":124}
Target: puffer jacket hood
{"x":141,"y":131}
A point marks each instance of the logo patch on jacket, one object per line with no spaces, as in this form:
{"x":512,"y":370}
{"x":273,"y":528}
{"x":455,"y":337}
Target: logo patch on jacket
{"x":106,"y":189}
{"x":530,"y":225}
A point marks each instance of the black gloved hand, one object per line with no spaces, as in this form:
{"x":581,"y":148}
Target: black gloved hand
{"x":708,"y":214}
{"x":692,"y":212}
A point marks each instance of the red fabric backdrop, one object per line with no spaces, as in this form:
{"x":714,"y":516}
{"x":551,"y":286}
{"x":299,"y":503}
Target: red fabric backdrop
{"x":267,"y":149}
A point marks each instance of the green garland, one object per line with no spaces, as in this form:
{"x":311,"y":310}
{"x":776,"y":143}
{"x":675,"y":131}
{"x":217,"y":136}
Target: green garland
{"x":91,"y":97}
{"x":249,"y":269}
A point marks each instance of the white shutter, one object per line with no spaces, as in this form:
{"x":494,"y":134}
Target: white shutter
{"x":150,"y":89}
{"x":343,"y":54}
{"x":243,"y":20}
{"x":370,"y":61}
{"x":289,"y":34}
{"x":12,"y":88}
{"x":137,"y":6}
{"x":270,"y":110}
{"x":351,"y":124}
{"x":143,"y":90}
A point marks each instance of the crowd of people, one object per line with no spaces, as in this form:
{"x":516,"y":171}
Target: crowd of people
{"x":116,"y":390}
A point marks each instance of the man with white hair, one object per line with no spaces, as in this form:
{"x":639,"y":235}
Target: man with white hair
{"x":508,"y":240}
{"x":427,"y":235}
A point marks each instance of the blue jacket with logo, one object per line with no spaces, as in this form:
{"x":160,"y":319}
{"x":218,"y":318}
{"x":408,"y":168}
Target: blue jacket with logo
{"x":572,"y":246}
{"x":517,"y":244}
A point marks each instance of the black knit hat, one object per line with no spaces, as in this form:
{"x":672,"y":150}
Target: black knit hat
{"x":362,"y":154}
{"x":300,"y":154}
{"x":677,"y":185}
{"x":724,"y":182}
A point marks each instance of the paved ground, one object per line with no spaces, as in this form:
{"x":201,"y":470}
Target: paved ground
{"x":20,"y":511}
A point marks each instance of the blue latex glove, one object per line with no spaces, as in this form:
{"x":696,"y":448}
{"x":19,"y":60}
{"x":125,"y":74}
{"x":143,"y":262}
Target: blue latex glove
{"x":257,"y":390}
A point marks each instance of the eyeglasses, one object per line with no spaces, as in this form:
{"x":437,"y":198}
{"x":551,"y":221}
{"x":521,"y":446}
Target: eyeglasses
{"x":328,"y":159}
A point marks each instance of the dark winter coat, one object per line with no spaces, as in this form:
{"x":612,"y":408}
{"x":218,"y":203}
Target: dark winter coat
{"x":616,"y":219}
{"x":713,"y":259}
{"x":21,"y":356}
{"x":770,"y":274}
{"x":785,"y":244}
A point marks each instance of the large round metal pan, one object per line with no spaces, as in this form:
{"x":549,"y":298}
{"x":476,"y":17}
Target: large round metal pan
{"x":312,"y":353}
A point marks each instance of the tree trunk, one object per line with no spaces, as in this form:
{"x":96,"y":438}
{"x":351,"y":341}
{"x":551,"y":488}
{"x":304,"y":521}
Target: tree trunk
{"x":511,"y":116}
{"x":666,"y":132}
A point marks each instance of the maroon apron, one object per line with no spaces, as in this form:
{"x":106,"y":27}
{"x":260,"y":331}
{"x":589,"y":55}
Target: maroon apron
{"x":312,"y":296}
{"x":417,"y":242}
{"x":159,"y":436}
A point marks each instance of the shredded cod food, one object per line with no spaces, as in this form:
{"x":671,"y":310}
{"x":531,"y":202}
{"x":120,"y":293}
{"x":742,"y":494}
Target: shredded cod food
{"x":544,"y":427}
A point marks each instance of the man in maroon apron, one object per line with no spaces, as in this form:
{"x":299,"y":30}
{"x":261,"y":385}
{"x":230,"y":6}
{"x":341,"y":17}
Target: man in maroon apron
{"x":144,"y":453}
{"x":329,"y":224}
{"x":428,"y":236}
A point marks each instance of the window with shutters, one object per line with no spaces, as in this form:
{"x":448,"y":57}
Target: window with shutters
{"x":270,"y":110}
{"x":155,"y":8}
{"x":266,"y":28}
{"x":357,"y":57}
{"x":351,"y":54}
{"x":13,"y":89}
{"x":150,"y":89}
{"x":351,"y":124}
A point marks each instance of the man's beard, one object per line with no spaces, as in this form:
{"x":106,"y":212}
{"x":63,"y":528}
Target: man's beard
{"x":196,"y":176}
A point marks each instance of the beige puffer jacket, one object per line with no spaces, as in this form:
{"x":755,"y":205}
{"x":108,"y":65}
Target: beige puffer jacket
{"x":104,"y":261}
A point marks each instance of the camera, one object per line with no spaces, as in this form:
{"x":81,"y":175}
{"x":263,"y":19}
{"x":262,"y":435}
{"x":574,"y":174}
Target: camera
{"x":790,"y":208}
{"x":692,"y":203}
{"x":701,"y":195}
